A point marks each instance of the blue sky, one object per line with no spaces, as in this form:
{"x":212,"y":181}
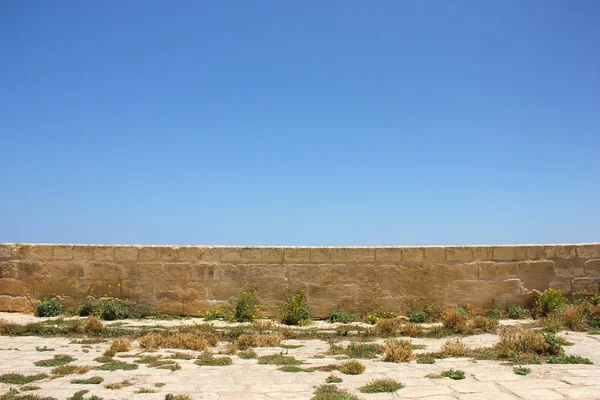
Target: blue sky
{"x":300,"y":123}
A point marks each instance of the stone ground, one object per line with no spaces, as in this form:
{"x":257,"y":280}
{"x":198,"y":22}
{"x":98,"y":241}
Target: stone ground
{"x":247,"y":380}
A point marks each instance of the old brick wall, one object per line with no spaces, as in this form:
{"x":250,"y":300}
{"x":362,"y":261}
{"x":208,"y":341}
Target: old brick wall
{"x":191,"y":279}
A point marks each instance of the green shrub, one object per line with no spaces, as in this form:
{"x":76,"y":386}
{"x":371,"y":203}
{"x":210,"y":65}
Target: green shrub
{"x":247,"y":307}
{"x":417,"y":315}
{"x":455,"y":374}
{"x":87,"y":308}
{"x":295,"y":310}
{"x":514,"y":311}
{"x":548,"y":302}
{"x":59,"y":359}
{"x":522,"y":370}
{"x":342,"y":317}
{"x":381,"y":386}
{"x":495,"y":313}
{"x":351,"y":367}
{"x":220,"y":313}
{"x":569,"y":360}
{"x":331,"y":392}
{"x":333,"y":379}
{"x":49,"y":308}
{"x":111,"y":309}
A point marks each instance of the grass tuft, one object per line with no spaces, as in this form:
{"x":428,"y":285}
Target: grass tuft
{"x":352,"y":367}
{"x":19,"y":379}
{"x":398,"y":350}
{"x":455,"y":374}
{"x":94,"y":380}
{"x":381,"y":386}
{"x":59,"y":359}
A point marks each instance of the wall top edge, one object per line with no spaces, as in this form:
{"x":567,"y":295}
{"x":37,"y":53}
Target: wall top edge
{"x":302,"y":247}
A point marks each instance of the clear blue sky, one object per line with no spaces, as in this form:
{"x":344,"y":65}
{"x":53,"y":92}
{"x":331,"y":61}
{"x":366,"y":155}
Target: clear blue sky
{"x":300,"y":123}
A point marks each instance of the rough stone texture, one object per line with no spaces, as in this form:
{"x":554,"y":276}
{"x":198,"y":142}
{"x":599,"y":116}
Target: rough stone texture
{"x":190,"y":279}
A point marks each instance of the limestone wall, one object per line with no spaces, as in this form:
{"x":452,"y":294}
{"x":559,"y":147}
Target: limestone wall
{"x":190,"y":279}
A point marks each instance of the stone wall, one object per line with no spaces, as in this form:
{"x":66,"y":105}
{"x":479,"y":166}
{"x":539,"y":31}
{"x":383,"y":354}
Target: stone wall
{"x":190,"y":279}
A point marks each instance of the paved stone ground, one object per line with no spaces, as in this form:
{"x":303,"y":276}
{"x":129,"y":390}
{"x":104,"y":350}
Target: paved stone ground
{"x":247,"y":380}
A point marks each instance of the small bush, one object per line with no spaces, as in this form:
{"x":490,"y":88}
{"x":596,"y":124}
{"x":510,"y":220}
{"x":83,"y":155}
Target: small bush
{"x":332,"y":392}
{"x":29,"y":388}
{"x":295,"y":310}
{"x":569,"y":360}
{"x":189,"y":341}
{"x":495,"y":313}
{"x":548,"y":302}
{"x":351,"y":367}
{"x":247,"y":307}
{"x":575,"y":318}
{"x":117,"y":365}
{"x":522,"y":370}
{"x":455,"y":374}
{"x":19,"y":379}
{"x":278,"y":359}
{"x":387,"y":327}
{"x":177,"y":397}
{"x":111,"y":310}
{"x":290,"y":368}
{"x":412,"y":330}
{"x":398,"y":350}
{"x":93,"y":325}
{"x":454,"y":319}
{"x":425,"y":360}
{"x":87,"y":308}
{"x":263,"y":326}
{"x":417,"y":314}
{"x":514,"y":341}
{"x":358,"y":350}
{"x":49,"y":308}
{"x":207,"y":359}
{"x":485,"y":324}
{"x":63,"y":370}
{"x":381,"y":386}
{"x":265,"y":340}
{"x":120,"y":345}
{"x":342,"y":317}
{"x":514,"y":311}
{"x":378,"y":313}
{"x":333,"y":379}
{"x":247,"y":354}
{"x":94,"y":380}
{"x":220,"y":313}
{"x":454,"y":348}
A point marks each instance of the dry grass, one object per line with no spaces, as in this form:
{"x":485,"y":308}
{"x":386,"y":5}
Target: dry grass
{"x":398,"y":350}
{"x":454,"y":348}
{"x":262,"y":326}
{"x":412,"y":330}
{"x":260,"y":340}
{"x":519,"y":340}
{"x":64,"y":370}
{"x":120,"y":345}
{"x":182,"y":356}
{"x":190,"y":341}
{"x":574,"y":317}
{"x":452,"y":319}
{"x":352,"y":367}
{"x":485,"y":324}
{"x":93,"y":325}
{"x":118,"y":385}
{"x":231,"y":348}
{"x":387,"y":327}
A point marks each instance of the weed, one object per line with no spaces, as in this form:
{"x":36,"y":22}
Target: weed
{"x":514,"y":311}
{"x":333,"y":379}
{"x":398,"y":350}
{"x":220,"y":313}
{"x":331,"y":392}
{"x":116,"y":365}
{"x":381,"y":386}
{"x":182,"y":356}
{"x":495,"y":313}
{"x":455,"y":374}
{"x":45,"y":348}
{"x":574,"y":317}
{"x":548,"y":302}
{"x":63,"y":370}
{"x":177,"y":397}
{"x":59,"y":359}
{"x":378,"y":313}
{"x":454,"y":348}
{"x":425,"y":360}
{"x":357,"y":350}
{"x":417,"y":315}
{"x":117,"y":385}
{"x":13,"y":394}
{"x":295,"y":310}
{"x":144,"y":390}
{"x":29,"y":388}
{"x":290,"y":368}
{"x":158,"y":362}
{"x":111,"y":310}
{"x":259,"y":340}
{"x":247,"y":354}
{"x":87,"y":308}
{"x":93,"y":325}
{"x":94,"y":380}
{"x":522,"y":370}
{"x":120,"y":345}
{"x":192,"y":341}
{"x":78,"y":395}
{"x":49,"y":308}
{"x":342,"y":317}
{"x":207,"y":359}
{"x":412,"y":330}
{"x":351,"y":367}
{"x":291,"y":346}
{"x":18,"y":379}
{"x":247,"y":307}
{"x":454,"y":319}
{"x":569,"y":360}
{"x":484,"y":324}
{"x":103,"y":359}
{"x":159,"y":384}
{"x":262,"y":326}
{"x":278,"y":359}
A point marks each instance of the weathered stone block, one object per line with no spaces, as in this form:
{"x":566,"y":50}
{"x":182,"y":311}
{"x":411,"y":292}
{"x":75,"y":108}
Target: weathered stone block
{"x":203,"y":272}
{"x":223,"y":290}
{"x":42,"y":252}
{"x":83,"y":252}
{"x":365,"y":254}
{"x":536,"y":252}
{"x":59,"y":287}
{"x":130,"y":270}
{"x":65,"y":270}
{"x":189,"y":253}
{"x":5,"y":303}
{"x":482,"y":253}
{"x":469,"y":271}
{"x":8,"y":269}
{"x":434,"y":254}
{"x":589,"y":250}
{"x":14,"y":287}
{"x":231,"y":254}
{"x":459,"y":254}
{"x":21,"y":304}
{"x":308,"y":273}
{"x":388,"y":254}
{"x":251,"y":255}
{"x":413,"y":254}
{"x":23,"y":251}
{"x":568,"y":268}
{"x":591,"y":267}
{"x":510,"y":253}
{"x":151,"y":271}
{"x":564,"y":285}
{"x":209,"y":254}
{"x":561,"y":251}
{"x":344,"y":254}
{"x":498,"y":270}
{"x":31,"y":269}
{"x":536,"y":269}
{"x":63,"y":252}
{"x":104,"y":253}
{"x":158,"y":253}
{"x":98,"y":270}
{"x":126,"y":253}
{"x":135,"y":290}
{"x":271,"y":254}
{"x":177,"y":272}
{"x":584,"y":286}
{"x":509,"y":287}
{"x":320,"y":254}
{"x":297,"y":254}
